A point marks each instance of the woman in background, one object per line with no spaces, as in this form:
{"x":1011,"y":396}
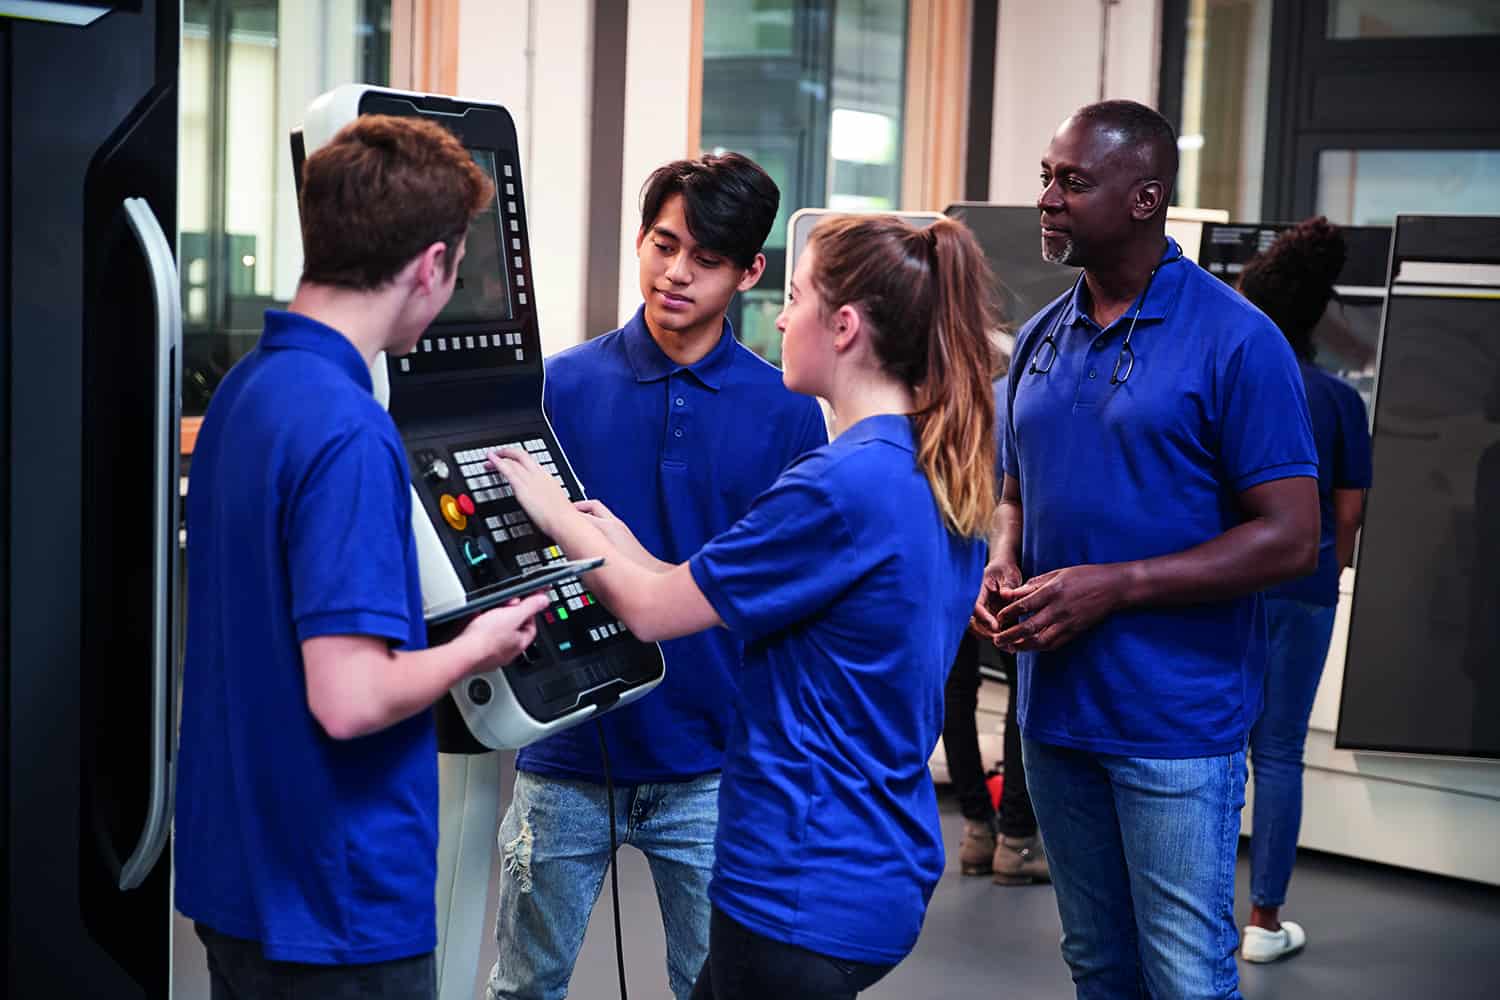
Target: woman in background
{"x":1292,"y":282}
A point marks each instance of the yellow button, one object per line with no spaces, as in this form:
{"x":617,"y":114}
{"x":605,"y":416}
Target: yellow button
{"x":455,"y":517}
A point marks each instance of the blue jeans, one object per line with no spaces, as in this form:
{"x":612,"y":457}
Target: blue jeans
{"x":1142,"y":854}
{"x":1299,"y":633}
{"x":554,"y":843}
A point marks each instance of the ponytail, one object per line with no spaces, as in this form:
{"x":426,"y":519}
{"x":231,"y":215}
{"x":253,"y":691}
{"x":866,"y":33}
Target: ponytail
{"x":955,"y":416}
{"x":928,"y":294}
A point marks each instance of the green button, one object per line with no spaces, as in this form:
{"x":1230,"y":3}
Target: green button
{"x":562,"y":613}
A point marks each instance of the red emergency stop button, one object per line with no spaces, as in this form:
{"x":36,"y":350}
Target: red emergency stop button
{"x":465,"y":504}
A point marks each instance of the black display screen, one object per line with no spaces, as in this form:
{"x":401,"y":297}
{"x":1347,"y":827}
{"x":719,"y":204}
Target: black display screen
{"x":1011,"y":238}
{"x":482,"y":293}
{"x":1422,"y":672}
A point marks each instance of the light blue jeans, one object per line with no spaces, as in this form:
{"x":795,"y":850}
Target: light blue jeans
{"x":1299,"y":633}
{"x":554,"y":844}
{"x":1142,"y":853}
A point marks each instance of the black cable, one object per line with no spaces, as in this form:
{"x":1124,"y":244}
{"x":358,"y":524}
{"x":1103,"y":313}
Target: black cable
{"x":614,"y":849}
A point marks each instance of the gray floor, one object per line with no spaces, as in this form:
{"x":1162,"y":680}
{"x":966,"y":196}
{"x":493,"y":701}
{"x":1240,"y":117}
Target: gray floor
{"x":1374,"y":932}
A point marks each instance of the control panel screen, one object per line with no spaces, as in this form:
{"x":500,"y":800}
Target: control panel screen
{"x":482,"y":292}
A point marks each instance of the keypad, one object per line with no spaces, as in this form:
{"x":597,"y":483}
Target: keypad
{"x":574,"y":619}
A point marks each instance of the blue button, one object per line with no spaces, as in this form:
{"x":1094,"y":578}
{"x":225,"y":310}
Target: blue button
{"x":680,"y":401}
{"x":677,"y":432}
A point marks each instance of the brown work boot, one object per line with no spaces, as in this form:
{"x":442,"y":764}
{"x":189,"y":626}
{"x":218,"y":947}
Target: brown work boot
{"x":977,"y":852}
{"x":1020,"y":861}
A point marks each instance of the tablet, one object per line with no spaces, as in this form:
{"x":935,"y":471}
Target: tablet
{"x":497,"y":594}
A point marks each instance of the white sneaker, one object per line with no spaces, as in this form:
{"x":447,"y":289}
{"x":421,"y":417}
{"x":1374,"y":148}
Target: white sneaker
{"x":1261,"y":945}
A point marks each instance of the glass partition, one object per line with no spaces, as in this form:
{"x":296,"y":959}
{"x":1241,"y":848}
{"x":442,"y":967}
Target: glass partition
{"x":249,"y":69}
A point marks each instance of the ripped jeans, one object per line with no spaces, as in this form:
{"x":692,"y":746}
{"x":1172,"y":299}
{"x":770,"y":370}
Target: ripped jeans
{"x":554,"y":844}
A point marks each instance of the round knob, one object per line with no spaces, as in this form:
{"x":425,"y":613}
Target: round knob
{"x":437,"y":470}
{"x":480,"y":691}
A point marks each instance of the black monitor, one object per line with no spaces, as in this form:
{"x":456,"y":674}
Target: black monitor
{"x":1422,"y":668}
{"x":482,"y":292}
{"x":1011,"y":238}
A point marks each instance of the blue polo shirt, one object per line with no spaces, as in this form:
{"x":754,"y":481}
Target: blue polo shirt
{"x":299,"y":525}
{"x":1342,"y":433}
{"x":678,"y":453}
{"x":851,"y":596}
{"x":1153,"y":466}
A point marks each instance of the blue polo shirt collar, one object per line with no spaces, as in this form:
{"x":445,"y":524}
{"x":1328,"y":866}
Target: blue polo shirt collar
{"x":651,"y":364}
{"x":893,"y":428}
{"x":289,"y":331}
{"x":1160,"y":297}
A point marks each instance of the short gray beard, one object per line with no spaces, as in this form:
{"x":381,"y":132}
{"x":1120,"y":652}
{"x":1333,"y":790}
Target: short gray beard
{"x":1062,"y":256}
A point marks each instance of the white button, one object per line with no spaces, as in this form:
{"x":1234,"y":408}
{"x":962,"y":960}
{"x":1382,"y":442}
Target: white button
{"x":510,"y":206}
{"x":405,"y":365}
{"x":520,"y":354}
{"x":515,"y":226}
{"x":594,"y":634}
{"x":442,"y":343}
{"x":427,"y":345}
{"x":510,"y":189}
{"x":520,"y":281}
{"x":518,"y":262}
{"x":469,"y":343}
{"x":515,"y":244}
{"x":521,"y":296}
{"x":484,"y":340}
{"x":507,"y":170}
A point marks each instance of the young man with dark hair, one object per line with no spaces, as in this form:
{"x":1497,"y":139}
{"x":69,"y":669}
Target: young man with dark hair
{"x":306,"y":816}
{"x":1160,"y":471}
{"x":675,"y":427}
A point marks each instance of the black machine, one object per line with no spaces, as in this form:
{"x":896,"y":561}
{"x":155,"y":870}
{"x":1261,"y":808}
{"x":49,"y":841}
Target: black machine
{"x":473,"y":384}
{"x":88,"y":485}
{"x":1422,"y":671}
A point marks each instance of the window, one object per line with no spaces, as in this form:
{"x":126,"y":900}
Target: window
{"x":1405,"y":19}
{"x":1223,"y":130}
{"x":813,"y":91}
{"x":249,"y":69}
{"x":1369,"y":187}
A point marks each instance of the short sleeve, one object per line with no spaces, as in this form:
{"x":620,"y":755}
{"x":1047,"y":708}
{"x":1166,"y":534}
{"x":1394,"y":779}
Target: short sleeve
{"x":1265,"y":427}
{"x":785,"y":561}
{"x":348,"y":526}
{"x":1353,"y":467}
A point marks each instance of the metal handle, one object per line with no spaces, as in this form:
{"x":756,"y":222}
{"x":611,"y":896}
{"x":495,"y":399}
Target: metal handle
{"x":165,"y":291}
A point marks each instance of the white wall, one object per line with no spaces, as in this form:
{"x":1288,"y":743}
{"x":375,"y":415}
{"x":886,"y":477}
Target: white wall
{"x":658,"y":62}
{"x":1047,"y":66}
{"x":536,"y":58}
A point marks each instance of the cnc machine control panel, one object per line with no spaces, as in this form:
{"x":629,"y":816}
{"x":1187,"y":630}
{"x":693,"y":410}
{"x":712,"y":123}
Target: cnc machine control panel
{"x":472,"y":384}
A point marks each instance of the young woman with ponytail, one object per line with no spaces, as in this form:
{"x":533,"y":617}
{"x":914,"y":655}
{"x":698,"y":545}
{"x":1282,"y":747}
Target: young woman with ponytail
{"x":850,"y":581}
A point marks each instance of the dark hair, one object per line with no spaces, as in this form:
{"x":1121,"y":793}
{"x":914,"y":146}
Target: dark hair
{"x":1143,"y":130}
{"x":729,"y":201}
{"x":1292,"y":280}
{"x":928,"y":294}
{"x":379,"y":193}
